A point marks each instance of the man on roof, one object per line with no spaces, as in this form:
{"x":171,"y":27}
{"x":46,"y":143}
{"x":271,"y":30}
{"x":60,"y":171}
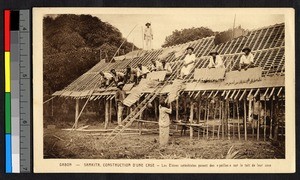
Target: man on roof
{"x":141,"y":72}
{"x":106,"y":78}
{"x":215,"y":60}
{"x":148,"y":36}
{"x":117,"y":76}
{"x":165,"y":66}
{"x":155,"y":65}
{"x":128,"y":76}
{"x":119,"y":98}
{"x":247,"y":59}
{"x":188,"y":63}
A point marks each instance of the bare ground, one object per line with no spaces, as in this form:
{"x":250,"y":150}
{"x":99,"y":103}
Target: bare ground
{"x":74,"y":144}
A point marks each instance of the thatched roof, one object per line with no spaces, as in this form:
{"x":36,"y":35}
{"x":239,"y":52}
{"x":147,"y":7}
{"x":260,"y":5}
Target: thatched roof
{"x":267,"y":47}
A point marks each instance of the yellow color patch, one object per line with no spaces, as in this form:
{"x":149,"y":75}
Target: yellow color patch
{"x":7,"y":71}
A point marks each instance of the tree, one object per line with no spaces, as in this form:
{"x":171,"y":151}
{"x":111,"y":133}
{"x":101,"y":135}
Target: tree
{"x":186,"y":35}
{"x":71,"y":47}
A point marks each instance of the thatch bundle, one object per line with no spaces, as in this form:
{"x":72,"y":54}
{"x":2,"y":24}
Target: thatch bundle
{"x":213,"y":74}
{"x":137,"y":91}
{"x":244,"y":76}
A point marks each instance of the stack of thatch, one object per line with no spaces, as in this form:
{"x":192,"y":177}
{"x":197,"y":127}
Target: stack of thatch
{"x":157,"y":75}
{"x":137,"y":91}
{"x":250,"y":75}
{"x":206,"y":74}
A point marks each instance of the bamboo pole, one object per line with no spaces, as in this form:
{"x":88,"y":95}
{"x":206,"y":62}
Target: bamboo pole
{"x":222,"y":119}
{"x":245,"y":119}
{"x":177,"y":112}
{"x":281,"y":119}
{"x":76,"y":113}
{"x":238,"y":116}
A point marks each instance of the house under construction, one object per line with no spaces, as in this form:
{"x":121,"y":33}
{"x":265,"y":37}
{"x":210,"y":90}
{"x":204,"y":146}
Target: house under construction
{"x":207,"y":103}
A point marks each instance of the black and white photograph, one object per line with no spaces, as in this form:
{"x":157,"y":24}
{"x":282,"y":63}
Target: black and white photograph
{"x":164,"y":84}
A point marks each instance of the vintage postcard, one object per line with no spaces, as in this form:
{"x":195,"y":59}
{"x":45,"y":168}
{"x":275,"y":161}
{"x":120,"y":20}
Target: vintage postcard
{"x":164,"y":90}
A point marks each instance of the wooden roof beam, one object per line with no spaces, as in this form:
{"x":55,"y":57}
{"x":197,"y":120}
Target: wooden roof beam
{"x":237,"y":94}
{"x":241,"y":97}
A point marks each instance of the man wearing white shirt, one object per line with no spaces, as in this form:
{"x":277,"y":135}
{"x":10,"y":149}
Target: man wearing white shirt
{"x":215,"y":61}
{"x":165,"y":66}
{"x":188,"y":63}
{"x":107,"y":78}
{"x":148,"y":36}
{"x":155,"y":65}
{"x":247,"y":59}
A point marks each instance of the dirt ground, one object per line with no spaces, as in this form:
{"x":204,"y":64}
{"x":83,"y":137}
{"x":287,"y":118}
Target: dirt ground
{"x":89,"y":145}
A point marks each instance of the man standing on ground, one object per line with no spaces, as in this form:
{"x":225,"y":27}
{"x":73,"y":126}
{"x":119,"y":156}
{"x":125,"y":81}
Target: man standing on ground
{"x":120,"y":96}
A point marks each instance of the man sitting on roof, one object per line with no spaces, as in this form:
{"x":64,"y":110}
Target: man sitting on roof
{"x":128,"y":76}
{"x":117,"y":76}
{"x":247,"y":59}
{"x":107,"y":78}
{"x":215,"y":60}
{"x":155,"y":65}
{"x":141,"y":72}
{"x":165,"y":66}
{"x":188,"y":63}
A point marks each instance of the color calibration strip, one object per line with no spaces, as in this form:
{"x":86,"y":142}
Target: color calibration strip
{"x":8,"y":146}
{"x":17,"y":91}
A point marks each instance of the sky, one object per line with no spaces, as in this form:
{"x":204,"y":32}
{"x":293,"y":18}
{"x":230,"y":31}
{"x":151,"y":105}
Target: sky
{"x":164,"y":24}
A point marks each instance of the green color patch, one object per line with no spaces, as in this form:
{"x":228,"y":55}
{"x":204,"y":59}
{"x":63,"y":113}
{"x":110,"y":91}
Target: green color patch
{"x":7,"y":113}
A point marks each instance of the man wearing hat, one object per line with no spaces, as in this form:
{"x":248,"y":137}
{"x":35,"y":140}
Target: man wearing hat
{"x":215,"y":61}
{"x":247,"y":59}
{"x":148,"y":36}
{"x":165,"y":66}
{"x":119,"y":97}
{"x":188,"y":63}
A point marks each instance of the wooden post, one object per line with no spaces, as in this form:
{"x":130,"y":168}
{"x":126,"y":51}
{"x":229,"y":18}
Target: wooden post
{"x":253,"y":122}
{"x":106,"y":114}
{"x":265,"y":118}
{"x":281,"y":119}
{"x":228,"y":117}
{"x":258,"y":122}
{"x":76,"y":113}
{"x":222,"y":119}
{"x":199,"y":111}
{"x":207,"y":116}
{"x":271,"y":118}
{"x":110,"y":111}
{"x":245,"y":119}
{"x":233,"y":117}
{"x":238,"y":116}
{"x":276,"y":119}
{"x":191,"y":119}
{"x":214,"y":119}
